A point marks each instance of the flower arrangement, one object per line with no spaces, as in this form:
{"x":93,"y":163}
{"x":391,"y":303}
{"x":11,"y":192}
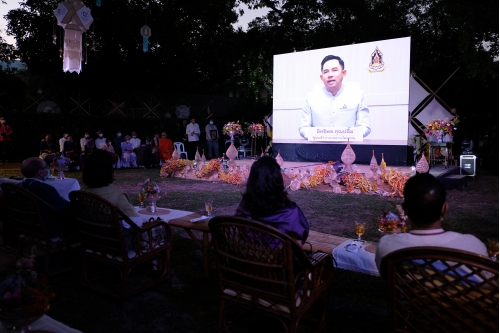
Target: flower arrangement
{"x":232,"y":177}
{"x":355,"y":180}
{"x":233,"y":127}
{"x":172,"y":166}
{"x":256,"y":130}
{"x":150,"y":189}
{"x":437,"y":125}
{"x":25,"y":290}
{"x":61,"y":162}
{"x":318,"y":176}
{"x":213,"y":165}
{"x":396,"y":180}
{"x":390,"y":223}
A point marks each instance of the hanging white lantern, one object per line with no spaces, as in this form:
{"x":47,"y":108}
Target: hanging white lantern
{"x":98,"y":3}
{"x":145,"y":33}
{"x":75,"y":18}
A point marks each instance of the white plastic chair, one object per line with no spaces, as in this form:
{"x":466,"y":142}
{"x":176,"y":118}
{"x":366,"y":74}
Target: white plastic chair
{"x":243,"y":149}
{"x":180,"y":148}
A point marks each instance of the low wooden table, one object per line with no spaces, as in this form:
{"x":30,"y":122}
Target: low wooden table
{"x":204,"y":244}
{"x":322,"y":242}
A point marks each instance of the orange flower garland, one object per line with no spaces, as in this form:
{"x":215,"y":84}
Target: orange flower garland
{"x":173,"y":165}
{"x":213,"y":165}
{"x":395,"y":179}
{"x":354,"y":180}
{"x":319,"y":175}
{"x":231,"y":177}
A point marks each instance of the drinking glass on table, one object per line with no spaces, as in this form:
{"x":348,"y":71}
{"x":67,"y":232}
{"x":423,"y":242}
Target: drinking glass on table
{"x":141,"y":199}
{"x":492,"y":245}
{"x":360,"y":229}
{"x":208,"y":208}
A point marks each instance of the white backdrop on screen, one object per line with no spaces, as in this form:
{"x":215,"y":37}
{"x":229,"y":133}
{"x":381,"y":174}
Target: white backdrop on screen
{"x":386,"y":92}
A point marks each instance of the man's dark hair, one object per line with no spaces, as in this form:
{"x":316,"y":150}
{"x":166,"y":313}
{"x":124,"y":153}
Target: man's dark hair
{"x":424,"y":199}
{"x":98,"y":171}
{"x":332,"y":57}
{"x":265,"y":193}
{"x":30,"y":168}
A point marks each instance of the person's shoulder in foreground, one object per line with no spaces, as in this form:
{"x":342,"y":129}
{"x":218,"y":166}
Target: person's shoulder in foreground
{"x":425,"y":205}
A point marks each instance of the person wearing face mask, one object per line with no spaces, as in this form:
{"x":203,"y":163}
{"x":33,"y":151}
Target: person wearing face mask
{"x":128,"y":156}
{"x":83,"y":142}
{"x":37,"y":172}
{"x":62,"y":141}
{"x":5,"y":140}
{"x":212,"y":135}
{"x":135,"y":141}
{"x":100,"y":142}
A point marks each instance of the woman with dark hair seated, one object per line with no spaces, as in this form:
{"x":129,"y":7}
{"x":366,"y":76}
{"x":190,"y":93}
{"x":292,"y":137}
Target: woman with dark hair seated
{"x":266,"y":200}
{"x":98,"y":176}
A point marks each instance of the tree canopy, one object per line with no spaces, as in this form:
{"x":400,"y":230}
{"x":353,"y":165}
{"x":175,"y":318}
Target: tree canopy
{"x":194,"y":48}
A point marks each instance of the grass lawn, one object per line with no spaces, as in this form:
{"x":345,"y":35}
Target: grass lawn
{"x":357,"y":301}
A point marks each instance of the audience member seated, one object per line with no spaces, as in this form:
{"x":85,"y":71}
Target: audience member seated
{"x":135,"y":141}
{"x":62,"y":141}
{"x":128,"y":156}
{"x":98,"y":177}
{"x":47,"y":149}
{"x":100,"y":141}
{"x":155,"y":143}
{"x":83,"y":142}
{"x":117,"y":143}
{"x":425,"y":205}
{"x":37,"y":172}
{"x":265,"y":200}
{"x":70,"y":151}
{"x":89,"y":148}
{"x":111,"y":150}
{"x":166,"y":147}
{"x":145,"y":156}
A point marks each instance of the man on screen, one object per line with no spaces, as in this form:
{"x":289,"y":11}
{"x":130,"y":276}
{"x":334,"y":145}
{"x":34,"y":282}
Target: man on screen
{"x":336,"y":104}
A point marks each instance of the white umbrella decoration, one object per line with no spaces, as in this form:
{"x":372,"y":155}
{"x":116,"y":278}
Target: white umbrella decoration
{"x":74,"y":17}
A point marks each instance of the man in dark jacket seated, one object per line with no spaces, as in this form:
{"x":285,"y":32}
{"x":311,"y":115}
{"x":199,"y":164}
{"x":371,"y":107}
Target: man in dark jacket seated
{"x":37,"y":172}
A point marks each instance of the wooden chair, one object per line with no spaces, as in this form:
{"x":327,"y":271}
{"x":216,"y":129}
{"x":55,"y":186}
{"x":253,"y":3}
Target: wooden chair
{"x":262,"y":269}
{"x":432,"y":289}
{"x":104,"y":240}
{"x":35,"y":222}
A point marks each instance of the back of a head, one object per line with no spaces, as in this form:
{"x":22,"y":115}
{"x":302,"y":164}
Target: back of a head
{"x":31,"y":166}
{"x":98,"y":171}
{"x":424,"y":199}
{"x":265,"y":191}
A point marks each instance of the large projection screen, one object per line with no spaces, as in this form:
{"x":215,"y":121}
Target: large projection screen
{"x":386,"y":89}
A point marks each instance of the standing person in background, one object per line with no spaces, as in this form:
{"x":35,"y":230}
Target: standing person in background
{"x":100,"y":142}
{"x":212,"y":135}
{"x":135,"y":141}
{"x":5,"y":140}
{"x":117,"y":143}
{"x":193,"y":132}
{"x":62,"y":141}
